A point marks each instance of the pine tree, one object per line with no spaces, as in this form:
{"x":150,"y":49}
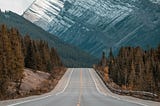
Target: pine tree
{"x":17,"y":52}
{"x":111,"y":56}
{"x":135,"y":69}
{"x":38,"y":58}
{"x":5,"y":53}
{"x":104,"y":62}
{"x":131,"y":79}
{"x":30,"y":61}
{"x":18,"y":63}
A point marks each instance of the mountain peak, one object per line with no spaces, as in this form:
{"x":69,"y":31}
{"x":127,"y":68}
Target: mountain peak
{"x":97,"y":25}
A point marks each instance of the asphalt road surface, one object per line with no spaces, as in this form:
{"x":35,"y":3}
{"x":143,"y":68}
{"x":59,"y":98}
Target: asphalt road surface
{"x":81,"y":87}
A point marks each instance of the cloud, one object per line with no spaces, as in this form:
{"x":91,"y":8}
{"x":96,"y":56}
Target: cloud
{"x":17,"y":6}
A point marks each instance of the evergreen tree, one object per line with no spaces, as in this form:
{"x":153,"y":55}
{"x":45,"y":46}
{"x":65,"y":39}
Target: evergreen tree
{"x":5,"y":56}
{"x":135,"y":69}
{"x":17,"y":52}
{"x":18,"y":60}
{"x":30,"y":61}
{"x":131,"y":79}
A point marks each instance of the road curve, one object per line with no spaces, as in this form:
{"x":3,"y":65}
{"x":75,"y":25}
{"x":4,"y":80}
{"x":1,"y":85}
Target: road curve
{"x":81,"y":87}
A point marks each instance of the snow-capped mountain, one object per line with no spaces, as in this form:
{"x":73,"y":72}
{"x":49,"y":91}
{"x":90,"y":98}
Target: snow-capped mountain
{"x":97,"y":25}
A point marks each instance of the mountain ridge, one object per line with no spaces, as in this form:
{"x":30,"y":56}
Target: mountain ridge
{"x":98,"y":25}
{"x":70,"y":55}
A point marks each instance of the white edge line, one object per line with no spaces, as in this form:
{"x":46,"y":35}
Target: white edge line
{"x":101,"y":91}
{"x":29,"y":101}
{"x":114,"y":96}
{"x":96,"y":83}
{"x":41,"y":97}
{"x":134,"y":102}
{"x":66,"y":84}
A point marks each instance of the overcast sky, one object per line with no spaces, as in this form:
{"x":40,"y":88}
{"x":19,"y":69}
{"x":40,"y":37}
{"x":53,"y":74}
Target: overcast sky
{"x":18,"y":6}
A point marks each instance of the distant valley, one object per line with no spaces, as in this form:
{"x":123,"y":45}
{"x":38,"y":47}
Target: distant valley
{"x":70,"y":55}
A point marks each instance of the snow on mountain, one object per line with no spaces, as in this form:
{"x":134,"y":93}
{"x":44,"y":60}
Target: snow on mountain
{"x":97,"y":25}
{"x":155,"y":1}
{"x":18,"y":6}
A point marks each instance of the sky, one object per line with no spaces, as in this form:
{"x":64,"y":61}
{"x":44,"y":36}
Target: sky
{"x":17,"y":6}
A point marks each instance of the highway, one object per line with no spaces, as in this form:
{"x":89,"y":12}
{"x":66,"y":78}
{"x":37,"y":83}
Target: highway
{"x":81,"y":87}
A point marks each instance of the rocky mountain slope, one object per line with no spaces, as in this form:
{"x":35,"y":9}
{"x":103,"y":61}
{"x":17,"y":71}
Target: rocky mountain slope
{"x":70,"y":55}
{"x":97,"y":25}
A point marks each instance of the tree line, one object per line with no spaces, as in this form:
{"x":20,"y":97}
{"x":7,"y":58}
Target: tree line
{"x":134,"y":68}
{"x":70,"y":55}
{"x":17,"y":52}
{"x":38,"y":55}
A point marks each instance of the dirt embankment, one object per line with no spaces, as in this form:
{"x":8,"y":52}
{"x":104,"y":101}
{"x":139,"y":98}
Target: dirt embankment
{"x":35,"y":83}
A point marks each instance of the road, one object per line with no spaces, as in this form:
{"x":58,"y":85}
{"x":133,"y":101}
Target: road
{"x":81,"y":87}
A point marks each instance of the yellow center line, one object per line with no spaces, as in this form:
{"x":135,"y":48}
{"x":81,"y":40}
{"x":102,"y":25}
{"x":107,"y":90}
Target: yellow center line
{"x":80,"y":94}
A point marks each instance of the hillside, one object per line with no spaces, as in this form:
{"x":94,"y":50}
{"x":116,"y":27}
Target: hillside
{"x":18,"y":53}
{"x":70,"y":55}
{"x":97,"y":25}
{"x":135,"y":71}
